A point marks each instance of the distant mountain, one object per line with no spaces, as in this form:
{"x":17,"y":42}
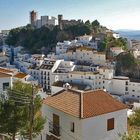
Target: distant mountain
{"x":130,"y":34}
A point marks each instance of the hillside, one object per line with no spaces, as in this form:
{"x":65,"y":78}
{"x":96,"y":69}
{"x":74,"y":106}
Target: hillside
{"x":127,"y":65}
{"x":45,"y":38}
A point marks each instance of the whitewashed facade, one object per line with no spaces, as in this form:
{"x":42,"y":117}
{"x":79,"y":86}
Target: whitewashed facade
{"x":71,"y":127}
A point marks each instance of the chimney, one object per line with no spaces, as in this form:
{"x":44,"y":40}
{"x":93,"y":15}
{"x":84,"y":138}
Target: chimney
{"x":66,"y":86}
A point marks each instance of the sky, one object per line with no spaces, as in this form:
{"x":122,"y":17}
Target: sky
{"x":115,"y":14}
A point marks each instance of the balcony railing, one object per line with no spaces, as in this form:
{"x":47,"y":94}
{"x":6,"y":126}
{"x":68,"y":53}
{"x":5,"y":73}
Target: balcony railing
{"x":54,"y":129}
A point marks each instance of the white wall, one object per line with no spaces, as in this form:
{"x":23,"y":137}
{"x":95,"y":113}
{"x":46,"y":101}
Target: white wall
{"x":65,"y":121}
{"x":133,"y":90}
{"x":118,"y":86}
{"x":55,"y":89}
{"x":96,"y":128}
{"x":5,"y":80}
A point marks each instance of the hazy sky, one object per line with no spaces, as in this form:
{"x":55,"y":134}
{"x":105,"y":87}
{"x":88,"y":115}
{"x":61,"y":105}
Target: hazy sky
{"x":115,"y":14}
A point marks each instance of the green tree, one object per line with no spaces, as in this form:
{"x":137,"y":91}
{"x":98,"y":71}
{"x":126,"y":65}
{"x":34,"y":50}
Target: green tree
{"x":134,"y":119}
{"x":131,"y":136}
{"x":12,"y":118}
{"x":62,"y":35}
{"x":20,"y":114}
{"x":127,"y":60}
{"x":134,"y":124}
{"x":95,"y":23}
{"x":88,"y":23}
{"x":33,"y":39}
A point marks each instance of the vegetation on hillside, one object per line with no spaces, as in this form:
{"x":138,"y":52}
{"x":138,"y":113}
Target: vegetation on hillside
{"x":34,"y":40}
{"x":110,"y":42}
{"x":127,"y":65}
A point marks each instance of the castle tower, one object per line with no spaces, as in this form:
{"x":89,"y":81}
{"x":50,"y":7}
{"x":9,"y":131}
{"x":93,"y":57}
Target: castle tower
{"x":60,"y":18}
{"x":33,"y":17}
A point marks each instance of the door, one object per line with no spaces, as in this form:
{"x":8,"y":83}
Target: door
{"x":56,"y":123}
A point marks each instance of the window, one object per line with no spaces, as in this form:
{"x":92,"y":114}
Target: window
{"x":110,"y":124}
{"x":72,"y":127}
{"x":126,"y":88}
{"x":126,"y":93}
{"x":126,"y":83}
{"x":133,"y":90}
{"x":5,"y":86}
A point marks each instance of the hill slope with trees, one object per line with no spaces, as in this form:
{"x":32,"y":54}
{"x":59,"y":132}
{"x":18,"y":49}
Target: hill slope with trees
{"x":34,"y":40}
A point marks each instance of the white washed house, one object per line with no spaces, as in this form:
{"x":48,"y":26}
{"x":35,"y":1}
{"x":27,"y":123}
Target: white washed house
{"x":92,"y":115}
{"x":5,"y":83}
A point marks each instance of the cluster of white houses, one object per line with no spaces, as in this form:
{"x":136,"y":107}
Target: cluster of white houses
{"x":76,"y":62}
{"x":75,"y":114}
{"x":78,"y":81}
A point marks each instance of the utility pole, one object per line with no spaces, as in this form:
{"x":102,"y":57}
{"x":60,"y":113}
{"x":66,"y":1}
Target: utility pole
{"x":31,"y":114}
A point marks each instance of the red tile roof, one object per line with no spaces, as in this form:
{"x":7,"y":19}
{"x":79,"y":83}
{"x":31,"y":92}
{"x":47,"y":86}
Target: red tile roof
{"x":99,"y":102}
{"x":4,"y":70}
{"x":3,"y":75}
{"x":20,"y":75}
{"x":84,"y":105}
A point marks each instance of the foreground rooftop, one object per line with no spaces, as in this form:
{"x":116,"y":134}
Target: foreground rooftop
{"x":84,"y":105}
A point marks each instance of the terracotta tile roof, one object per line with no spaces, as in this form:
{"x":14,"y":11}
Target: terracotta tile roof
{"x":20,"y":75}
{"x":84,"y":105}
{"x":2,"y":75}
{"x":99,"y":102}
{"x":66,"y":101}
{"x":6,"y":70}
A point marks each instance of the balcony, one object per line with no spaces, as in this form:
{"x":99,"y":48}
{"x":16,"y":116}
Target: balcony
{"x":54,"y":129}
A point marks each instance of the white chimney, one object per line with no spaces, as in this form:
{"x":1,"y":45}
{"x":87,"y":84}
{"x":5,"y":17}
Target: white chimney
{"x":66,"y":86}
